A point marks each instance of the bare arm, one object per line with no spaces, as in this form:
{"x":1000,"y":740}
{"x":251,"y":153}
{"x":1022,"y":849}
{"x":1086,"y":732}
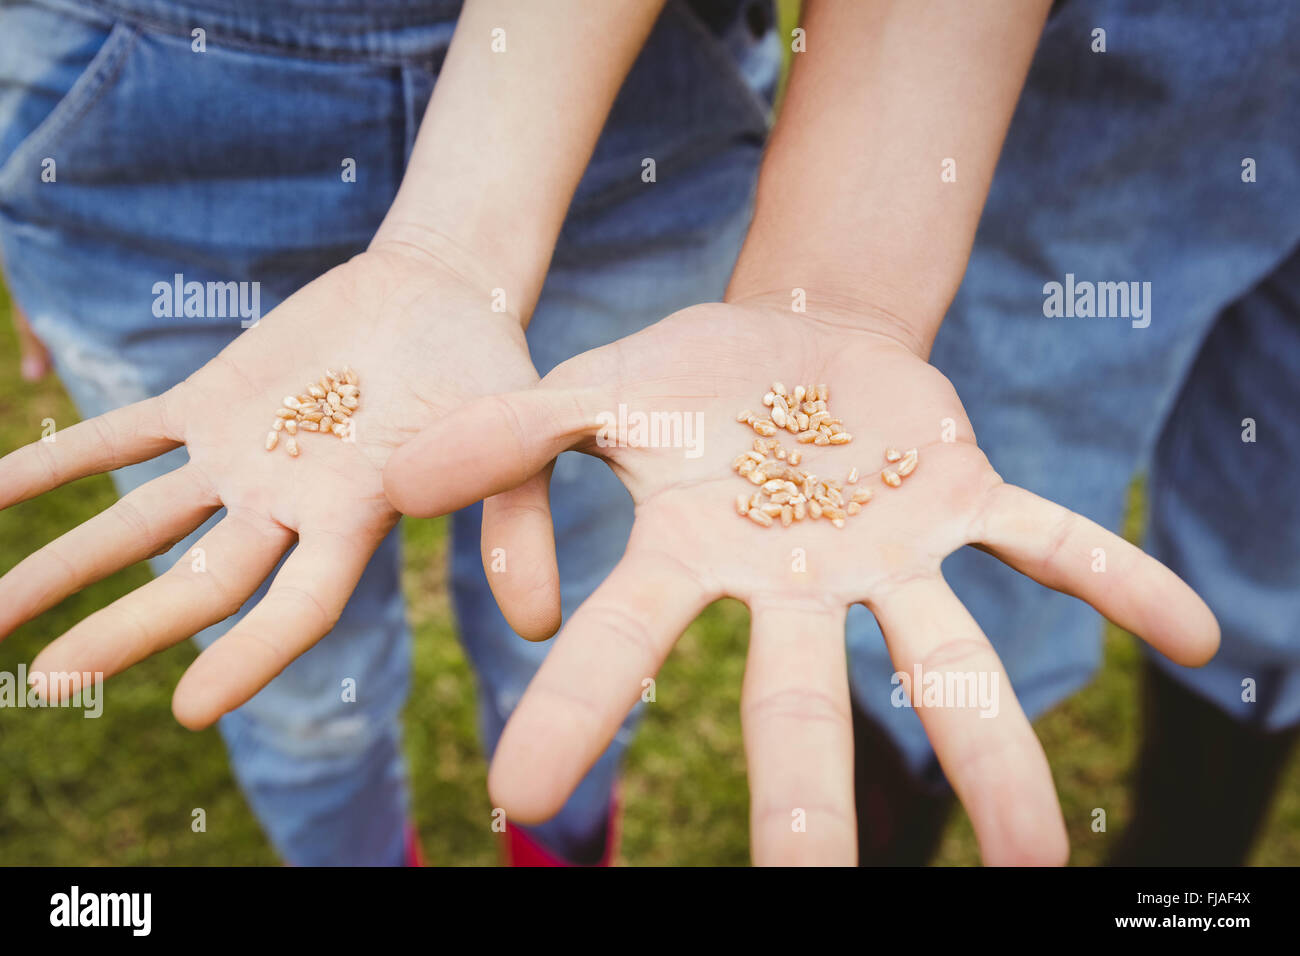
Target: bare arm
{"x":521,"y":99}
{"x":851,"y":205}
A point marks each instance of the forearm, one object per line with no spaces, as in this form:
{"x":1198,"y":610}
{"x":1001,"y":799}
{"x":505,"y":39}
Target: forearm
{"x":508,"y":134}
{"x":852,"y":203}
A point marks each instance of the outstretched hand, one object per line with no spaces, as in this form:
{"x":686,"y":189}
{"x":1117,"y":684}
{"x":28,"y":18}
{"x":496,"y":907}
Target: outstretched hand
{"x":689,"y":547}
{"x":420,"y":332}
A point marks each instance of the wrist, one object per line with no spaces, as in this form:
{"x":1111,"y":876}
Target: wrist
{"x":861,"y":304}
{"x":507,"y":268}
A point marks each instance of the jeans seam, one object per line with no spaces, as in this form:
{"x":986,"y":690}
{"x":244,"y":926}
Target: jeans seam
{"x":231,"y":40}
{"x":83,"y":94}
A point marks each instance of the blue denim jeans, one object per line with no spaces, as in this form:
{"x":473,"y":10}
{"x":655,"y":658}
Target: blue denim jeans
{"x":224,"y":165}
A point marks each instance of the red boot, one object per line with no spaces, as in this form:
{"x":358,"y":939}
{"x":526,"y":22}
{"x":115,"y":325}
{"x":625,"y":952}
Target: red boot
{"x":518,"y":848}
{"x":414,"y":855}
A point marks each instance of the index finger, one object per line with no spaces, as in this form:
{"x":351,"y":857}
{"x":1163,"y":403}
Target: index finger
{"x":590,"y":681}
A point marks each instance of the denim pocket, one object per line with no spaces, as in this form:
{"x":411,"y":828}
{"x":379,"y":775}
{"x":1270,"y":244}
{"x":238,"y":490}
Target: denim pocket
{"x":61,"y":67}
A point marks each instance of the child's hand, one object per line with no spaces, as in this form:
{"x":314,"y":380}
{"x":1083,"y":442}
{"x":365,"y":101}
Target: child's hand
{"x":689,"y":546}
{"x":423,"y":339}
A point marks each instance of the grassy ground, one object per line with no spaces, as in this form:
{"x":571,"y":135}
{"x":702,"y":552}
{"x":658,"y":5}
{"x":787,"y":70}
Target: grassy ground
{"x":121,"y":789}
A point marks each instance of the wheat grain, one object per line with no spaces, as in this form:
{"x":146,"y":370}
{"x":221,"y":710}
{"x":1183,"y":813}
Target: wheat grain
{"x":908,"y":464}
{"x":784,"y":490}
{"x":326,"y":405}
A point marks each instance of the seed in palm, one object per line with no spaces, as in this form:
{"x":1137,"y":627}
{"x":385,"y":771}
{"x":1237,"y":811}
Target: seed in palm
{"x":325,"y":406}
{"x":785,"y":490}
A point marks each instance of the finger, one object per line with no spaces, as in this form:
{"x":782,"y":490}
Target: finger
{"x":518,"y":545}
{"x":145,"y":522}
{"x":798,"y":729}
{"x":486,"y":448}
{"x":589,"y":682}
{"x":305,"y":600}
{"x":208,"y":584}
{"x":121,"y":437}
{"x":1069,"y":553}
{"x":948,"y":671}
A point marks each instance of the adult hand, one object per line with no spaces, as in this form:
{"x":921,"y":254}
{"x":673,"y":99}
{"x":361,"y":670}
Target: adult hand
{"x":688,"y":547}
{"x":419,"y":330}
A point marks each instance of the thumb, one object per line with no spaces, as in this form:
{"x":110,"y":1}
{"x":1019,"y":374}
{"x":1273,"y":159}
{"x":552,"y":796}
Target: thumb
{"x":487,"y":447}
{"x":518,"y":545}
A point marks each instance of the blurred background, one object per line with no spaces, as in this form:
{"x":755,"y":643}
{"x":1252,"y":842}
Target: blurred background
{"x":120,"y":790}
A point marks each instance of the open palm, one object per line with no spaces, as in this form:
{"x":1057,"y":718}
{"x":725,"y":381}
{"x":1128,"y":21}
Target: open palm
{"x":422,"y":338}
{"x":689,"y":547}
